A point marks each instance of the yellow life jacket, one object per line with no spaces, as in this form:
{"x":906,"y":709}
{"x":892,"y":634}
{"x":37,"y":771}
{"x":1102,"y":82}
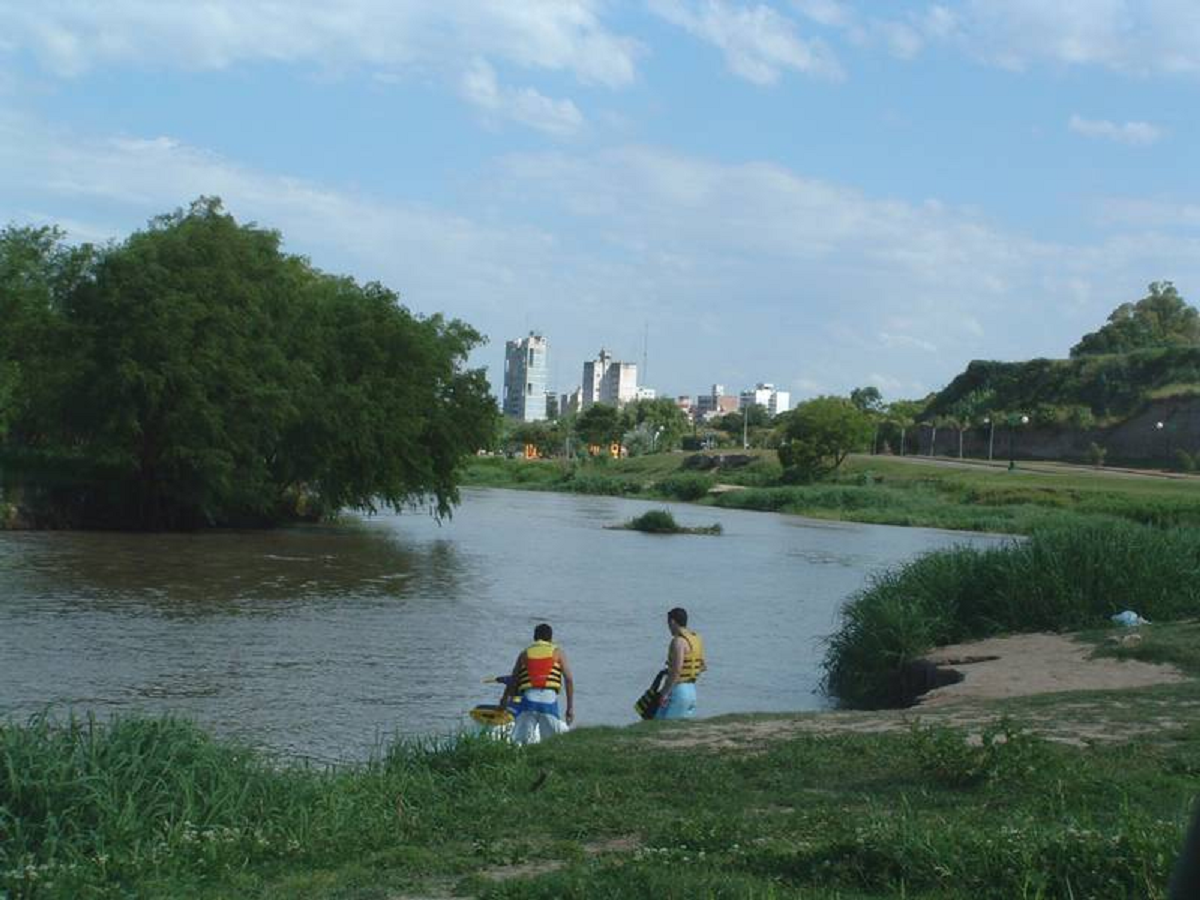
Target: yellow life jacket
{"x":693,"y":661}
{"x":541,"y":668}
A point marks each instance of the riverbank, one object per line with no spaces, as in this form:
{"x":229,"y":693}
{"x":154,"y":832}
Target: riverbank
{"x":1063,"y":794}
{"x":880,"y":490}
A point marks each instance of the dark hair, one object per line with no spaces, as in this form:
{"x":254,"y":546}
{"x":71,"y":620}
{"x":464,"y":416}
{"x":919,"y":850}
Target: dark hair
{"x":543,"y":632}
{"x":679,"y":616}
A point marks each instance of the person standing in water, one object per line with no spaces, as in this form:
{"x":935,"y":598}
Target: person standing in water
{"x":685,"y":662}
{"x":540,"y":673}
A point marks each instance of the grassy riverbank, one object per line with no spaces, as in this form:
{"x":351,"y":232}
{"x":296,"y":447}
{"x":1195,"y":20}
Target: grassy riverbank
{"x":158,"y":809}
{"x":881,"y":490}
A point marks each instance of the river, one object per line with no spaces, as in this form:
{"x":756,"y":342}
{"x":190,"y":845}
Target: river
{"x":322,"y":641}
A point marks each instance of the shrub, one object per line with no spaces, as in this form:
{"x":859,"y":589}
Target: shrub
{"x":1096,"y":454}
{"x":686,"y":485}
{"x":1184,"y":461}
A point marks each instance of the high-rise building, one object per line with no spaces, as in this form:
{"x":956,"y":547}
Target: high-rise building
{"x":593,"y":377}
{"x":608,"y":381}
{"x":525,"y":378}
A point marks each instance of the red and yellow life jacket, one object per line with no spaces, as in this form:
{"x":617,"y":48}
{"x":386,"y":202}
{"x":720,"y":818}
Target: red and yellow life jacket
{"x":541,"y":668}
{"x":693,"y":660}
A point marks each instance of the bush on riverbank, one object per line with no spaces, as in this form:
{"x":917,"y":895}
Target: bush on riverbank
{"x":1059,"y":579}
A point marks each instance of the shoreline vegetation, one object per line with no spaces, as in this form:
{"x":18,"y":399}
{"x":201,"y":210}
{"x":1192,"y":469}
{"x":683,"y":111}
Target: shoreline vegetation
{"x":879,"y":490}
{"x":981,"y":803}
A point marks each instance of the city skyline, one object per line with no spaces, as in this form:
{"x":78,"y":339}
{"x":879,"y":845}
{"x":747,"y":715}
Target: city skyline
{"x":825,"y":194}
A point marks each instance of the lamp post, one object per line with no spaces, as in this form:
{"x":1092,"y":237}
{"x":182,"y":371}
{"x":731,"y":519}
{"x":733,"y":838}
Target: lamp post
{"x":746,"y":427}
{"x":1161,"y":428}
{"x":1013,"y":422}
{"x":991,"y":424}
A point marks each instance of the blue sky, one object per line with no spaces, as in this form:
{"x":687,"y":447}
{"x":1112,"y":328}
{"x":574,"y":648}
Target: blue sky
{"x":817,"y":193}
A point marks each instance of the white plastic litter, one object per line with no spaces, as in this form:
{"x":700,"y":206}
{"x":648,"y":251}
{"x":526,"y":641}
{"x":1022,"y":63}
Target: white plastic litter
{"x":1129,"y":619}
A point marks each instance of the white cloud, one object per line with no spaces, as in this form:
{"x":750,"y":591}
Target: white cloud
{"x":1141,"y":36}
{"x":1138,"y":134}
{"x":70,"y":37}
{"x":560,"y":118}
{"x":759,"y":44}
{"x":734,"y":262}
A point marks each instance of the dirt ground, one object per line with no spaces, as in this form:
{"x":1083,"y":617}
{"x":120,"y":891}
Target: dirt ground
{"x":995,"y":669}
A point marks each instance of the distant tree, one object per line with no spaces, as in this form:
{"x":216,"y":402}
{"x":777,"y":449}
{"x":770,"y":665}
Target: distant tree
{"x":902,"y":415}
{"x":1160,"y":319}
{"x":868,"y":399}
{"x":599,"y":424}
{"x":661,"y":419}
{"x":818,"y":435}
{"x":196,"y":375}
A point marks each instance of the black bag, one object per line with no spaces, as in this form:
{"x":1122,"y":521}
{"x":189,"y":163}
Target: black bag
{"x":647,"y":704}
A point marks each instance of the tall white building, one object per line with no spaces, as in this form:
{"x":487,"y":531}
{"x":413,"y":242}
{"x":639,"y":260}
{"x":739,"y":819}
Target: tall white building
{"x":608,"y":381}
{"x":765,"y":395}
{"x":525,"y":371}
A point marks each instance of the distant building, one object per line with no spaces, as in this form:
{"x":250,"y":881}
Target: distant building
{"x":684,"y":402}
{"x":765,"y":395}
{"x":593,"y":377}
{"x":525,"y":378}
{"x":570,"y":403}
{"x":551,"y":405}
{"x":608,"y":381}
{"x":715,"y":403}
{"x":645,"y":393}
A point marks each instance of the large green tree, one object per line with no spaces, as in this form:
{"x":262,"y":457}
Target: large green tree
{"x":818,"y":434}
{"x":203,"y":377}
{"x":1160,"y":319}
{"x":599,"y":424}
{"x":661,"y":419}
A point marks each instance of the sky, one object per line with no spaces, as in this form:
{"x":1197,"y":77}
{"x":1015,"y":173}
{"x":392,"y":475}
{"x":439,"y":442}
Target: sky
{"x":814,"y":193}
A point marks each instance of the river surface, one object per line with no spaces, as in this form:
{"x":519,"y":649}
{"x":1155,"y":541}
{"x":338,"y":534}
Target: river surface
{"x":322,"y":641}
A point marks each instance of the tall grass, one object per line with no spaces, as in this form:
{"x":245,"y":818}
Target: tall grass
{"x":1058,"y":579}
{"x":84,"y":805}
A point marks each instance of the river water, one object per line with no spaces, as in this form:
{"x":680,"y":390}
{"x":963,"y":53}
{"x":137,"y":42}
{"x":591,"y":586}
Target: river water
{"x":321,"y":641}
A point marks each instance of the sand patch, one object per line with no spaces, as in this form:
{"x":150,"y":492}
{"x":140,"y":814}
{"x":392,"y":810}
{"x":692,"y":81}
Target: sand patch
{"x":1026,"y":664}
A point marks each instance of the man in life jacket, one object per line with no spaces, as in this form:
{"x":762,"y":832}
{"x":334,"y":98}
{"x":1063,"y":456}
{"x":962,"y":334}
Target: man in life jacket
{"x":540,"y":674}
{"x":685,"y":662}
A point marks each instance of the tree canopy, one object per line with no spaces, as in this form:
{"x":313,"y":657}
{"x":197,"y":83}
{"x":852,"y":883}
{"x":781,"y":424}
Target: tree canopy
{"x":818,"y":435}
{"x":599,"y":424}
{"x":1160,"y":319}
{"x":194,"y":374}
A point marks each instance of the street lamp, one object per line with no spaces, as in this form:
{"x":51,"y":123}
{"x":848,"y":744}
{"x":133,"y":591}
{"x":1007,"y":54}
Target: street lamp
{"x":1161,"y":427}
{"x":1023,"y":420}
{"x":654,"y":439}
{"x":991,"y":424}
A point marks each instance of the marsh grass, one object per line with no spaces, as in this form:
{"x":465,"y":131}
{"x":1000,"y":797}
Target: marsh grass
{"x":1058,"y":579}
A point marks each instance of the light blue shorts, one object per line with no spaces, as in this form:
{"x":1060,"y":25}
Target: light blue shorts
{"x":682,"y":704}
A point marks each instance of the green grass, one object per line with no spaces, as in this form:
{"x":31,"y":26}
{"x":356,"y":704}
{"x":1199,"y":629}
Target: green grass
{"x":158,"y":809}
{"x":1058,"y":579}
{"x":877,"y":490}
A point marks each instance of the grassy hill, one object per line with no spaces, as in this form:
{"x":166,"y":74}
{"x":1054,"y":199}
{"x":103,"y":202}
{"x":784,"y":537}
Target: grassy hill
{"x":1082,"y":391}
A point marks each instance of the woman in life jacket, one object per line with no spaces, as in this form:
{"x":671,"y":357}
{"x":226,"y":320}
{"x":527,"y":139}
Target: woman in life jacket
{"x":541,"y":672}
{"x":685,"y":662}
